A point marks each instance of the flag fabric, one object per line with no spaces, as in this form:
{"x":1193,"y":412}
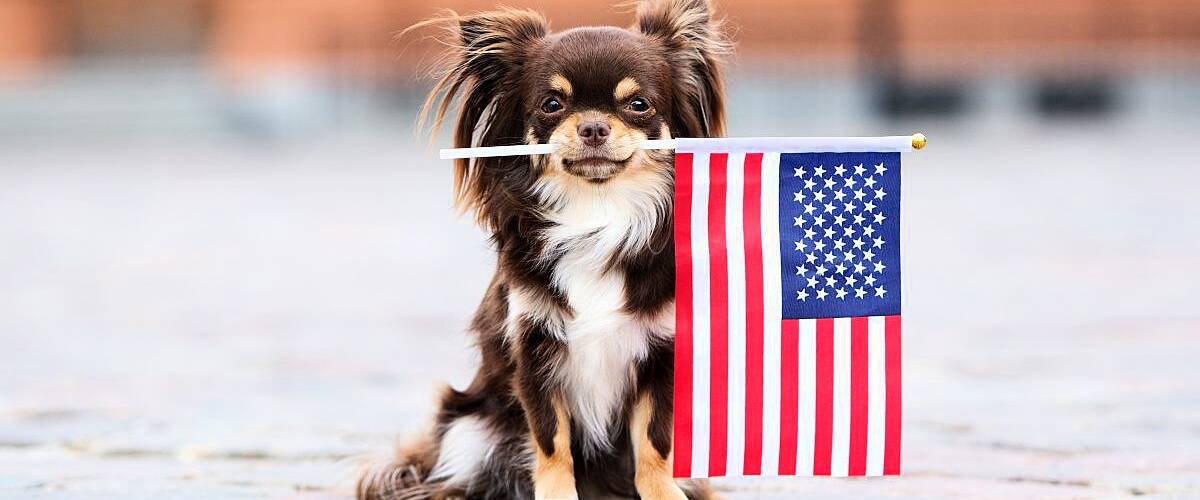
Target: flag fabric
{"x":787,"y":354}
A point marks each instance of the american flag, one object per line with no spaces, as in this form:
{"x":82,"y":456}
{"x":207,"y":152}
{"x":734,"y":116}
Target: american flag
{"x":787,"y":357}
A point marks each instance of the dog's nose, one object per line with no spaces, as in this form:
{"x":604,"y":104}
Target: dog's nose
{"x":594,"y":133}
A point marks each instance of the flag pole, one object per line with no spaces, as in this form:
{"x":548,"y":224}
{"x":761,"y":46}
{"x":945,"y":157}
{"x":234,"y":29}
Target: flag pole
{"x":901,"y":143}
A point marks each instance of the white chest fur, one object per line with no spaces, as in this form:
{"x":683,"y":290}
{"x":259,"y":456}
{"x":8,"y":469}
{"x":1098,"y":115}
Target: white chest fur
{"x":603,"y":345}
{"x":604,"y":342}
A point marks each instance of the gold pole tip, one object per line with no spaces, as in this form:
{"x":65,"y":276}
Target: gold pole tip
{"x":919,"y":141}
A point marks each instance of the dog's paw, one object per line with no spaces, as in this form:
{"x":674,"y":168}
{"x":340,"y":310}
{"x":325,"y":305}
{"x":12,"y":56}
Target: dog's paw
{"x":557,"y":495}
{"x":555,"y":486}
{"x":661,"y":489}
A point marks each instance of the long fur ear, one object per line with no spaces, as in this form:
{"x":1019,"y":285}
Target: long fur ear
{"x":487,"y":52}
{"x":696,"y":43}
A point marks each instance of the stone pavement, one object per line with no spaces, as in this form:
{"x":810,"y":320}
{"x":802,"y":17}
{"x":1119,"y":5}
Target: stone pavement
{"x":214,"y":320}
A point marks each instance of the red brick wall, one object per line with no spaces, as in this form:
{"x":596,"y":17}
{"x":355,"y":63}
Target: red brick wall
{"x":30,"y":37}
{"x":357,"y":35}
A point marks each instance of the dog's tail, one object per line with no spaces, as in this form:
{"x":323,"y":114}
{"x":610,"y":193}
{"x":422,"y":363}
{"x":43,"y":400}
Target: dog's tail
{"x":402,"y":476}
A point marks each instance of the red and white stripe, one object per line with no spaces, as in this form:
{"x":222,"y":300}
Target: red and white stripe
{"x":756,"y":394}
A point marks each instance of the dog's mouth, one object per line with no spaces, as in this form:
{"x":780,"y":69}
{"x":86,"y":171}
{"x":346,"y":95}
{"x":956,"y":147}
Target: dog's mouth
{"x":594,"y":168}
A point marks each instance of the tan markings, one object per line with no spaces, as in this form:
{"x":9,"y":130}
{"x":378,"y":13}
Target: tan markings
{"x":653,"y":474}
{"x":626,"y":88}
{"x":624,"y":140}
{"x":554,"y":475}
{"x":561,"y":84}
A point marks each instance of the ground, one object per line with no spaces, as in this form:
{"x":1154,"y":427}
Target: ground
{"x":205,"y":318}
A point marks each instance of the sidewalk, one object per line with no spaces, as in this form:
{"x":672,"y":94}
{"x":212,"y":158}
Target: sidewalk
{"x":217,"y":321}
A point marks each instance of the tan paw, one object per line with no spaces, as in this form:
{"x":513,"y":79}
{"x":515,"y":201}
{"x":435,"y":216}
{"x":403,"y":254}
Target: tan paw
{"x":660,"y":489}
{"x":555,"y":484}
{"x":556,"y":494}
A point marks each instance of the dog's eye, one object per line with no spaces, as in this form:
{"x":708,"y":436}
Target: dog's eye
{"x":638,"y":105}
{"x":551,"y":106}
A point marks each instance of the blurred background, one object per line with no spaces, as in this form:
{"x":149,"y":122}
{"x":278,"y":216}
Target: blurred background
{"x":228,"y":265}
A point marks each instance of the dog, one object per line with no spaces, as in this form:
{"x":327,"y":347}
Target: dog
{"x":573,"y":395}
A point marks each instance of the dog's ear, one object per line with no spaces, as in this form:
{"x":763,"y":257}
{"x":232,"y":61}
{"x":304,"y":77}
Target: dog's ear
{"x":487,"y":53}
{"x":695,"y":43}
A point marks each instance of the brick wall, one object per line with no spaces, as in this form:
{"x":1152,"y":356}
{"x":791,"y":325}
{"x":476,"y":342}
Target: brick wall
{"x":358,"y":35}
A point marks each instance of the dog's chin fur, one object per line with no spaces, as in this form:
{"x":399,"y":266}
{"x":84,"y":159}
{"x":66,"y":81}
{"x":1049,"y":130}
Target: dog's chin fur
{"x":572,"y":397}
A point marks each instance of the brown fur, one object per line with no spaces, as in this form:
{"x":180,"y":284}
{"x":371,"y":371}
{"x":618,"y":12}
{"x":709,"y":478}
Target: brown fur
{"x":506,"y":67}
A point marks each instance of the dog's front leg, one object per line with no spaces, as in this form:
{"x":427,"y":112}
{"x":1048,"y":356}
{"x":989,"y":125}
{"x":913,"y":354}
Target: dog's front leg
{"x":547,"y":416}
{"x":650,"y":430}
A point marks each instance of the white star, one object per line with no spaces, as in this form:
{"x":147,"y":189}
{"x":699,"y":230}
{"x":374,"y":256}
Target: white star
{"x":819,"y":220}
{"x":879,"y":291}
{"x":838,"y":244}
{"x":850,"y":182}
{"x":808,"y":209}
{"x":829,"y":281}
{"x":821,"y":270}
{"x":859,"y":293}
{"x":829,"y":183}
{"x":802,"y":295}
{"x":819,"y":246}
{"x":880,"y":169}
{"x":809,"y":233}
{"x":840,"y":169}
{"x":812,"y":282}
{"x":839,"y":220}
{"x":848,"y":256}
{"x":828,"y":257}
{"x":838,"y":195}
{"x":851,"y":280}
{"x":841,"y":268}
{"x":829,"y":232}
{"x":829,"y":208}
{"x":869,"y":182}
{"x":799,"y":270}
{"x":878,"y":242}
{"x":820,"y":196}
{"x":859,"y":169}
{"x":858,"y":243}
{"x":841,"y":294}
{"x":868,"y":231}
{"x":849,"y":231}
{"x":879,"y":218}
{"x":799,"y":172}
{"x":796,"y":221}
{"x":869,"y":255}
{"x":820,"y":170}
{"x":879,"y":194}
{"x":800,"y":245}
{"x":810,"y":258}
{"x":870,"y":280}
{"x":858,"y":219}
{"x":869,"y":206}
{"x":797,"y":196}
{"x":821,"y":294}
{"x":849,"y":207}
{"x":879,"y":267}
{"x":859,"y":268}
{"x":858,"y":194}
{"x":809,"y":184}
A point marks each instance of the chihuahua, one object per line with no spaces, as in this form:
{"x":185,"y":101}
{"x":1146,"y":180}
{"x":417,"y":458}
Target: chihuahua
{"x":573,"y":395}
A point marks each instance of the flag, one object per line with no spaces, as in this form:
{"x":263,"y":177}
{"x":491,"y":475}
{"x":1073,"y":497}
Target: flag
{"x":787,"y":330}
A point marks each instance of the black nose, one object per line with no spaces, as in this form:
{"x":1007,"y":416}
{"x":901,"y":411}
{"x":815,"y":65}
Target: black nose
{"x":594,"y":133}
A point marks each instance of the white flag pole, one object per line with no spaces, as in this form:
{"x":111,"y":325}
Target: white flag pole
{"x":896,"y":143}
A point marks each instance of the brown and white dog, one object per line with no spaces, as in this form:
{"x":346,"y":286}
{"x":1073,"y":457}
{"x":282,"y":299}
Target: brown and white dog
{"x":573,"y":396}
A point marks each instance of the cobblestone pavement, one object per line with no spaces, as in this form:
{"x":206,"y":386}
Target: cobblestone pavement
{"x":198,"y":320}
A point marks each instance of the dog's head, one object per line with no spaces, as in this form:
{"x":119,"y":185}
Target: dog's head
{"x":596,"y":93}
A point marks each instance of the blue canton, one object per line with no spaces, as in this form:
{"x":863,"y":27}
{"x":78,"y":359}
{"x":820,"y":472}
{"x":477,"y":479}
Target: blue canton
{"x":839,"y":234}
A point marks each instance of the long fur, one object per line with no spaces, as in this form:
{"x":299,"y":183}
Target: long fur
{"x":577,"y":322}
